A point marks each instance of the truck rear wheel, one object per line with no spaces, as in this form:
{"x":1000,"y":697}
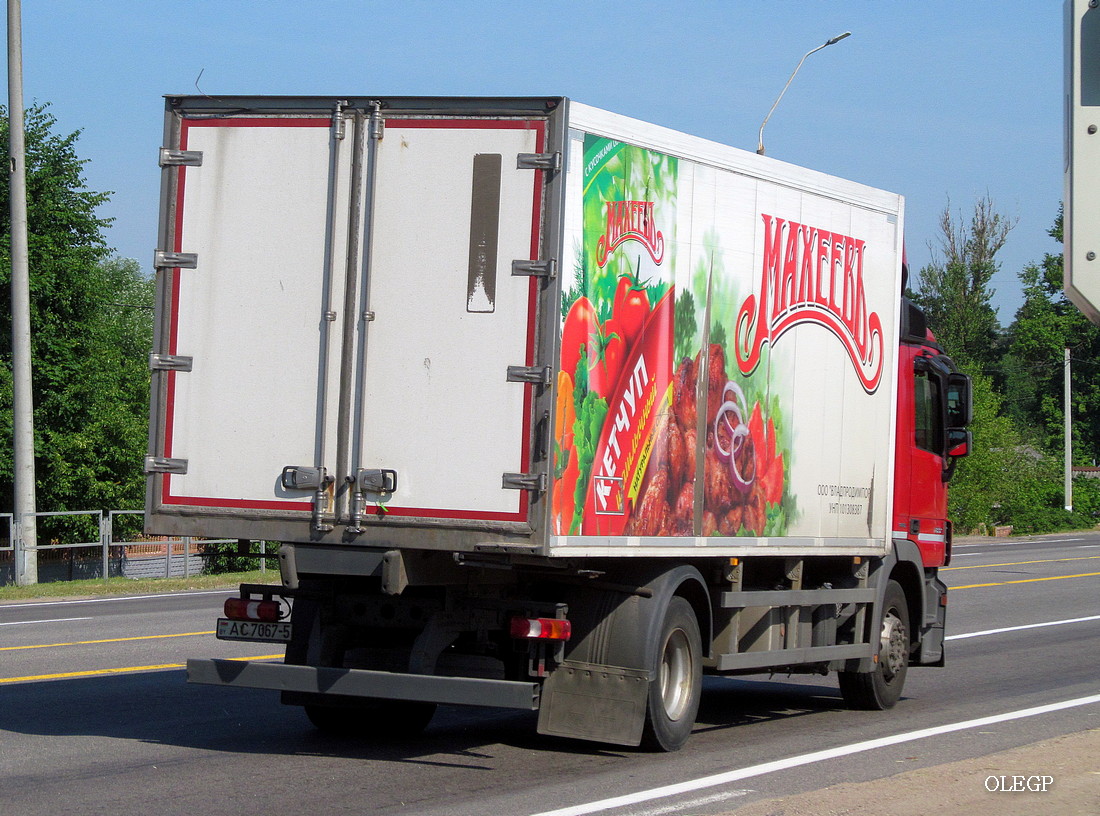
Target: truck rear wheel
{"x":881,"y":688}
{"x":674,"y":694}
{"x":376,"y":719}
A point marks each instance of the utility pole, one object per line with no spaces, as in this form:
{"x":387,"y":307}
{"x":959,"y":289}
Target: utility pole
{"x":26,"y":533}
{"x":1069,"y":436}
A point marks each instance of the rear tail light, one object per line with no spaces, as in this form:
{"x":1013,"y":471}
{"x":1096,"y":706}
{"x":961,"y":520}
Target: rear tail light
{"x":245,"y":609}
{"x":540,"y":628}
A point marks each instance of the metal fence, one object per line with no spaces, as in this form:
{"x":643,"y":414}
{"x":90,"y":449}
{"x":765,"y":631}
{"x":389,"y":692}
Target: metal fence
{"x":66,"y":555}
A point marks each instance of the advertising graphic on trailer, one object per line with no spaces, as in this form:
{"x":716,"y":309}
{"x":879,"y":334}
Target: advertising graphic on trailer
{"x":718,"y":331}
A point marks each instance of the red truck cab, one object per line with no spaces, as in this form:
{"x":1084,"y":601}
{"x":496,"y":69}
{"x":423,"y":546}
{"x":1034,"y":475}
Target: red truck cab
{"x":934,"y":408}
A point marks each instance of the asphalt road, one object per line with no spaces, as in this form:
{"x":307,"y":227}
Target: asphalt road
{"x":95,"y":716}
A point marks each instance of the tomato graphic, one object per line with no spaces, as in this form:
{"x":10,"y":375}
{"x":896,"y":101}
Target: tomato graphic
{"x":631,"y":313}
{"x":580,"y":325}
{"x":626,"y":281}
{"x":756,"y":424}
{"x":606,"y":356}
{"x":773,"y":481}
{"x":769,"y":463}
{"x":631,"y":308}
{"x":770,"y":435}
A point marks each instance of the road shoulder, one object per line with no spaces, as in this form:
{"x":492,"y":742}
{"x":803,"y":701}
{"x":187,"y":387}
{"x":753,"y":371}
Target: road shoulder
{"x":962,"y":788}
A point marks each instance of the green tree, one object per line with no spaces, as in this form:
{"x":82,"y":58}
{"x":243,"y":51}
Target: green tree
{"x":1045,"y":325}
{"x":91,"y":325}
{"x":954,"y":289}
{"x":1014,"y":474}
{"x":1000,"y":477}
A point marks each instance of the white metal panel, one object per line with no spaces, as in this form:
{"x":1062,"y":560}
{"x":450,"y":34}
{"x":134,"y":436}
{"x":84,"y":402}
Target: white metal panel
{"x":250,"y":314}
{"x":437,"y":407}
{"x":1082,"y":168}
{"x":854,"y":428}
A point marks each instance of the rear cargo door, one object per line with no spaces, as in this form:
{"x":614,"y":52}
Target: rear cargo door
{"x":445,"y":318}
{"x":256,"y":229}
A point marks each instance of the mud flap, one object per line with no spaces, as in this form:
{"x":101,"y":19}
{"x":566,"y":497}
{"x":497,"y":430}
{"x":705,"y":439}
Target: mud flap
{"x":930,"y":652}
{"x":600,"y":703}
{"x":600,"y":691}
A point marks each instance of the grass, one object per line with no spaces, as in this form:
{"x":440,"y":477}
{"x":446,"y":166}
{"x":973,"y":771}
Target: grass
{"x":97,"y":587}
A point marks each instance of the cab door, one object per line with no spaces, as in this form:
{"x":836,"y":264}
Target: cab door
{"x":920,"y":501}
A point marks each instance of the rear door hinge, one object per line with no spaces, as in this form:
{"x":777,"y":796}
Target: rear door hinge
{"x":170,"y":362}
{"x":170,"y":157}
{"x":539,"y":375}
{"x":524,"y":481}
{"x":541,"y":269}
{"x":539,"y":161}
{"x":163,"y":464}
{"x":175,"y":260}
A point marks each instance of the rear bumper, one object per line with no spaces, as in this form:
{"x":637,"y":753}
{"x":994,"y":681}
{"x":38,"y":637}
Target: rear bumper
{"x":364,"y":683}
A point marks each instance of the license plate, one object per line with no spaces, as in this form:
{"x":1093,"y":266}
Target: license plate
{"x":254,"y":630}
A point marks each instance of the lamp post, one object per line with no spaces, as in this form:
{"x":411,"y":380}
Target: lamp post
{"x":834,"y":40}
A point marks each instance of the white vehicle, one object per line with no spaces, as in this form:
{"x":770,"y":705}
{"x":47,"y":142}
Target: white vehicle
{"x":550,"y":408}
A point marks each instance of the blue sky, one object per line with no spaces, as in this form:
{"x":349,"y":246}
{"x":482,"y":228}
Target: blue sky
{"x":935,"y":100}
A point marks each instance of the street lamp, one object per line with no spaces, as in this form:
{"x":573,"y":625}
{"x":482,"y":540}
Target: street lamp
{"x":836,"y":39}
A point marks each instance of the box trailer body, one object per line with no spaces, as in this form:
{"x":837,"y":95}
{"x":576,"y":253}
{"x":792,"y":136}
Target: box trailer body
{"x":476,"y":360}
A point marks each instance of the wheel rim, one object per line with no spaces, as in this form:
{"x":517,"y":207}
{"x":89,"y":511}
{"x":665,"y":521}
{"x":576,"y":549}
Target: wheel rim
{"x":894,"y":650}
{"x":676,"y":674}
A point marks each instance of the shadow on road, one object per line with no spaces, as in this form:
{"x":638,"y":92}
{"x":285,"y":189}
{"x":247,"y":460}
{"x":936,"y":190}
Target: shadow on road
{"x":161,"y":708}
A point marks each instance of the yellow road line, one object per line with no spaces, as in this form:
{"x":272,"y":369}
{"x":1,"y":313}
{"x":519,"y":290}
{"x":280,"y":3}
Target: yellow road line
{"x":156,"y":667}
{"x":120,"y":670}
{"x":95,"y":642}
{"x":1027,"y":580}
{"x":1022,"y":563}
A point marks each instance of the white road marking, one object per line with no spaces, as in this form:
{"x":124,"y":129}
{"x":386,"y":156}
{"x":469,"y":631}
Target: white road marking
{"x":1010,"y":542}
{"x":109,"y":598}
{"x":693,"y":803}
{"x":51,"y":620}
{"x":955,"y":556}
{"x":808,"y":759}
{"x":1018,"y":628}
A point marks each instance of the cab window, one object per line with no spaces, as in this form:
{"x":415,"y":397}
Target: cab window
{"x":929,"y":419}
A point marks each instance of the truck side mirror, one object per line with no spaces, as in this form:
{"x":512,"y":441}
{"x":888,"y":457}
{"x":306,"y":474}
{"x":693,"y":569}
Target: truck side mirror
{"x":960,"y":410}
{"x":958,"y":442}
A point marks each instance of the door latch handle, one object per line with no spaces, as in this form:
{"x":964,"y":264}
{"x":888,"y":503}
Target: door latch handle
{"x":376,"y":480}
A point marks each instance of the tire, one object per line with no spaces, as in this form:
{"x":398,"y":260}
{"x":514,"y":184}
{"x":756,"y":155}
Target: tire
{"x":881,"y":688}
{"x":375,"y":719}
{"x":674,"y":694}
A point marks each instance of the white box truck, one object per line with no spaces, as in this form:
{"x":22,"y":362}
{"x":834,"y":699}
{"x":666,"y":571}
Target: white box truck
{"x":549,"y":408}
